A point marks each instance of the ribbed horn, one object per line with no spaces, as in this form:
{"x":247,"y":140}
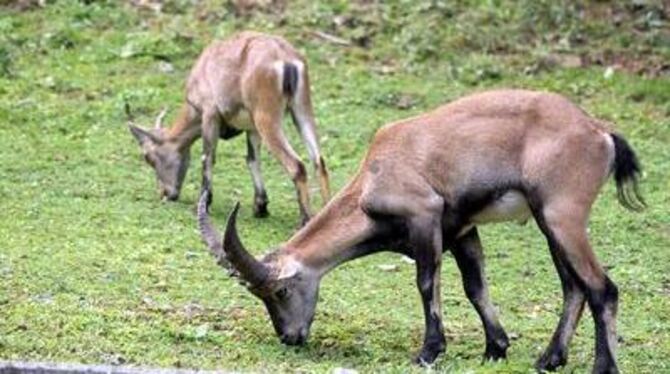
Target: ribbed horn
{"x":230,"y":254}
{"x":251,"y":270}
{"x":129,"y":115}
{"x":209,"y":234}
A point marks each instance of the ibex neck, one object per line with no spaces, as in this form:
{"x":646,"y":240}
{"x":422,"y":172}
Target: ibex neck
{"x":185,"y":129}
{"x":331,"y":237}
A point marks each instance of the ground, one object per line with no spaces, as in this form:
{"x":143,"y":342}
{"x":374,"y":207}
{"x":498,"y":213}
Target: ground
{"x":95,"y":269}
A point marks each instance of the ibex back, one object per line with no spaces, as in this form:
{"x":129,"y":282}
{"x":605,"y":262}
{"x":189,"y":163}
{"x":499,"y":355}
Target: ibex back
{"x":244,"y":83}
{"x":427,"y":183}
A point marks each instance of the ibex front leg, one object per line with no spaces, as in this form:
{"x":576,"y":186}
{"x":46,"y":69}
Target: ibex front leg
{"x":254,"y":164}
{"x":426,"y":241}
{"x":469,"y":256}
{"x":210,"y":136}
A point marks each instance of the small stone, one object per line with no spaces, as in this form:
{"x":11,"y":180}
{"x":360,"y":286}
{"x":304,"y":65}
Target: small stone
{"x":148,"y":301}
{"x":570,"y":61}
{"x":405,"y":102}
{"x":388,"y":267}
{"x":127,"y":51}
{"x":49,"y":82}
{"x":165,"y":67}
{"x":201,"y":331}
{"x":344,"y":371}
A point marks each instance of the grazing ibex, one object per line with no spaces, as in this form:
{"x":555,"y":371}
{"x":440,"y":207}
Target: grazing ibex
{"x":244,"y":83}
{"x":426,"y":183}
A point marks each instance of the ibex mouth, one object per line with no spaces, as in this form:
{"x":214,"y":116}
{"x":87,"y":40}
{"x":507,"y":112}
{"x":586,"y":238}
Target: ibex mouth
{"x":293,"y":340}
{"x":172,"y":197}
{"x":169,"y":195}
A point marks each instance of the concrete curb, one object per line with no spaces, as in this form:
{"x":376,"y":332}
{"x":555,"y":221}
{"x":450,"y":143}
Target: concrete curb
{"x":20,"y":367}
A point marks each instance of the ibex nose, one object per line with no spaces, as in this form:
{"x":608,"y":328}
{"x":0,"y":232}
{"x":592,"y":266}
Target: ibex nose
{"x":299,"y":339}
{"x":169,"y":195}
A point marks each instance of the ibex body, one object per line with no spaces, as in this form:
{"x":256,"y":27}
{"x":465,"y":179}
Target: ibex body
{"x":244,"y":83}
{"x":427,"y":183}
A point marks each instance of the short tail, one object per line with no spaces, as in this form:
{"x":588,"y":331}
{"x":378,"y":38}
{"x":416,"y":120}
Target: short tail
{"x":290,"y":81}
{"x":627,"y":171}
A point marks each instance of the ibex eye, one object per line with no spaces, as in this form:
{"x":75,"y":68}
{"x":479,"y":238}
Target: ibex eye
{"x":148,"y":159}
{"x":281,"y":293}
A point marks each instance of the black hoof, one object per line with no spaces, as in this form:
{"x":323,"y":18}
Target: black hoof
{"x":261,"y":210}
{"x":428,"y":355}
{"x":495,"y":352}
{"x":605,"y":366}
{"x":550,"y":361}
{"x":210,"y":198}
{"x":303,"y":221}
{"x":609,"y":370}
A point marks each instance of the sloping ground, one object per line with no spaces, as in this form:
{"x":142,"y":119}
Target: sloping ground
{"x":94,"y":269}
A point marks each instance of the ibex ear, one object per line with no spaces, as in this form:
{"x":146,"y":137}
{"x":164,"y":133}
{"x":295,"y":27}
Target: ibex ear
{"x":288,"y":269}
{"x":142,"y":136}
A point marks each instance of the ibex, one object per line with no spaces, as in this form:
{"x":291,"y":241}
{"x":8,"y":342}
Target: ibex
{"x":244,"y":83}
{"x":426,"y":183}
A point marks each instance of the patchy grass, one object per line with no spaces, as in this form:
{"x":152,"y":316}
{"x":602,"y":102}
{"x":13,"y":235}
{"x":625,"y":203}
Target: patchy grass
{"x":93,"y":268}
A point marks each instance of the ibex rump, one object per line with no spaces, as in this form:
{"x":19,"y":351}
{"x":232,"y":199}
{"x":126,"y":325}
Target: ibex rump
{"x":427,"y":182}
{"x":244,"y":83}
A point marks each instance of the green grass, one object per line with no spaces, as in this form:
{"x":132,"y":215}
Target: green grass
{"x":94,"y":268}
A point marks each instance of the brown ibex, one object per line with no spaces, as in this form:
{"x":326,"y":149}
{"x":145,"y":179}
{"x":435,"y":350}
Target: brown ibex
{"x":426,"y":183}
{"x":244,"y":83}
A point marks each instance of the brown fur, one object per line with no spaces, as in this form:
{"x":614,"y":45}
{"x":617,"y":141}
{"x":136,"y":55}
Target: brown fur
{"x":425,"y":182}
{"x":415,"y":166}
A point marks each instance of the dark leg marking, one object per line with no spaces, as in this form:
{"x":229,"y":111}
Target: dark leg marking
{"x":210,"y":136}
{"x":300,"y":180}
{"x":254,"y":165}
{"x":580,"y":264}
{"x":556,"y":354}
{"x":469,"y":256}
{"x":424,"y":240}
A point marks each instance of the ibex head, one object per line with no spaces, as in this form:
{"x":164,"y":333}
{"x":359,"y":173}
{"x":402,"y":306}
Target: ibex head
{"x":288,"y":290}
{"x":166,"y":158}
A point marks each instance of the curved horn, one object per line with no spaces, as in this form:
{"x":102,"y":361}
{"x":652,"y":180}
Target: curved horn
{"x":231,"y":251}
{"x":209,"y":234}
{"x":250,"y":269}
{"x":129,"y":115}
{"x":159,"y":119}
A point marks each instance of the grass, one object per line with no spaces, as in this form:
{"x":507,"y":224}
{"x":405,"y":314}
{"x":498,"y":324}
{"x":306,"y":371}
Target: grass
{"x":94,"y":268}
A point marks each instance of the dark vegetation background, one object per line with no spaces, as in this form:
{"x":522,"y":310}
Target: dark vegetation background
{"x":93,"y":268}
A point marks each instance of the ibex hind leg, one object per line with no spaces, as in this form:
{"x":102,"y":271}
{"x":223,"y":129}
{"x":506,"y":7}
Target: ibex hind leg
{"x":563,"y":221}
{"x":556,"y":354}
{"x":268,"y":124}
{"x":303,"y":118}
